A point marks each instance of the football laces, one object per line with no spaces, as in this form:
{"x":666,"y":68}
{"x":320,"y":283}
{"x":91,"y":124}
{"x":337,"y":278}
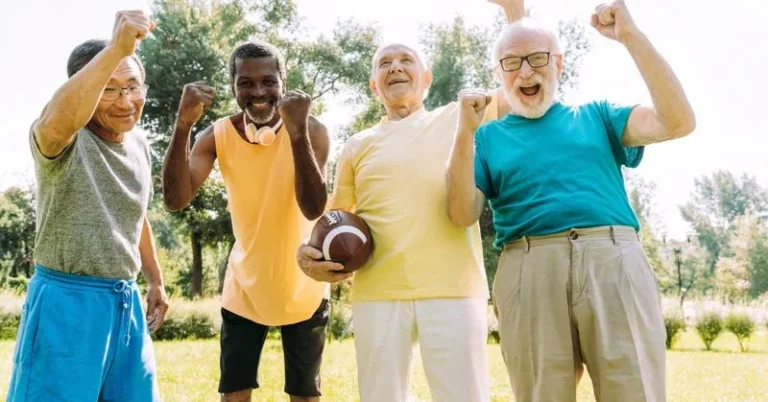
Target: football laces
{"x":332,"y":218}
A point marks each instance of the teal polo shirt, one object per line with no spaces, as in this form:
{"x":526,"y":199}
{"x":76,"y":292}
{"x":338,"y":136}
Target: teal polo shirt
{"x":557,"y":172}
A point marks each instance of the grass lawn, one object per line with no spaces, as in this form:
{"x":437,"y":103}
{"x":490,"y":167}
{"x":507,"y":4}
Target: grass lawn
{"x":188,"y":371}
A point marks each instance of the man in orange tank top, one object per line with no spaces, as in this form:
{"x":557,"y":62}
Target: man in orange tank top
{"x":272,"y":155}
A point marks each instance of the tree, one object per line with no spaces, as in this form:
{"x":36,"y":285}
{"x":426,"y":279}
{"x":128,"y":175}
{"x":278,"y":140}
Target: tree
{"x":717,"y":201}
{"x":688,"y":262}
{"x":742,"y":274}
{"x":17,"y":230}
{"x":193,"y":42}
{"x":641,"y":193}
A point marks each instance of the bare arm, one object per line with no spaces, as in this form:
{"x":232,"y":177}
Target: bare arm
{"x":184,"y":171}
{"x":671,"y":115}
{"x":310,"y":157}
{"x":465,"y":200}
{"x":74,"y":102}
{"x":513,"y":9}
{"x":157,"y":301}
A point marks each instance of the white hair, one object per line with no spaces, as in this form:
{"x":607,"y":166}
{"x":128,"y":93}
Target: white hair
{"x":526,"y":25}
{"x":415,"y":50}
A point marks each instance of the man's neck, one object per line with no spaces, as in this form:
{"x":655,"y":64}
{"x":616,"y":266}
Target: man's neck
{"x":105,"y":134}
{"x":399,"y":112}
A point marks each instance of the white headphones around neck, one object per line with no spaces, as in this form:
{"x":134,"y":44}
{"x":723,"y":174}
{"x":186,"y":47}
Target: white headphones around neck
{"x":263,"y":136}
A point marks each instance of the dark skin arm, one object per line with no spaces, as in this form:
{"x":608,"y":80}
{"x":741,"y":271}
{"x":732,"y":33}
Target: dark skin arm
{"x":310,"y":145}
{"x":184,"y":171}
{"x":310,"y":157}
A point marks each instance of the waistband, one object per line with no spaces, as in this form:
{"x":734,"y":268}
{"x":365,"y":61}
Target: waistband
{"x":84,"y":281}
{"x":613,"y":233}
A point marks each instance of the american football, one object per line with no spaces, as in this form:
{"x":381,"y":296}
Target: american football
{"x":343,"y":237}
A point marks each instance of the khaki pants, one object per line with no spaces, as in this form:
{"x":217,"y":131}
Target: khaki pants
{"x":586,"y":296}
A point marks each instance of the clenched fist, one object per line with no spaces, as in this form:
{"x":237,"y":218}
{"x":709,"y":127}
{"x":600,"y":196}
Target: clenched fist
{"x":294,"y":110}
{"x":472,"y":103}
{"x":614,"y":22}
{"x":130,"y":27}
{"x":196,"y":99}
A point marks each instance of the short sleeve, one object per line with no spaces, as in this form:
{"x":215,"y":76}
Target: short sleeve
{"x":615,"y":118}
{"x":482,"y":173}
{"x":343,"y":196}
{"x":51,"y":168}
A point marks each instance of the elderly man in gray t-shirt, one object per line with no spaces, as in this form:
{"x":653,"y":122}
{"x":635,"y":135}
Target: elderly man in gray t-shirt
{"x":83,"y":332}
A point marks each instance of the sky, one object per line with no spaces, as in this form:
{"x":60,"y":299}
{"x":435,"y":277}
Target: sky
{"x":711,"y":46}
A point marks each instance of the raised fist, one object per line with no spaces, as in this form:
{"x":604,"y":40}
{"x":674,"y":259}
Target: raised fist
{"x":613,"y":21}
{"x":130,"y":28}
{"x":294,"y":110}
{"x":472,"y":103}
{"x":196,"y":99}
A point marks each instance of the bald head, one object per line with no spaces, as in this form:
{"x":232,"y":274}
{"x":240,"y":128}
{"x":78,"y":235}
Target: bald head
{"x":395,"y":48}
{"x":524,"y":37}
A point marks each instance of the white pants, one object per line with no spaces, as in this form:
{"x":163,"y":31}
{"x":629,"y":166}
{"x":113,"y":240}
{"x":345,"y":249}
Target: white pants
{"x":452,"y":336}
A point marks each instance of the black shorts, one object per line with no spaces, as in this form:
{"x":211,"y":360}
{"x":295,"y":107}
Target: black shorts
{"x":242,"y":341}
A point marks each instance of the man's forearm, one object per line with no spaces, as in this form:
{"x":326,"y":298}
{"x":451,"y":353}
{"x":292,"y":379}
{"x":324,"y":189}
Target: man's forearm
{"x":460,"y":179}
{"x":74,"y":102}
{"x":150,"y":267}
{"x":669,"y":100}
{"x":310,"y":184}
{"x":177,"y":182}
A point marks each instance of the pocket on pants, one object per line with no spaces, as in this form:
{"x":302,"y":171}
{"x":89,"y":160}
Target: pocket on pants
{"x":506,"y":283}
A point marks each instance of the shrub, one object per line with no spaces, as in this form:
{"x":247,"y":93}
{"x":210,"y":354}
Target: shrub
{"x":675,"y":325}
{"x":9,"y":324}
{"x":338,"y":322}
{"x":741,"y":325}
{"x":709,"y":326}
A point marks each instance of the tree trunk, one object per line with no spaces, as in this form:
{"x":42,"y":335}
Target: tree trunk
{"x":223,"y":269}
{"x":197,"y":265}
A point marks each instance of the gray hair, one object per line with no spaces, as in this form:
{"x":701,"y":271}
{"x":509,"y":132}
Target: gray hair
{"x":86,"y":51}
{"x":527,"y":25}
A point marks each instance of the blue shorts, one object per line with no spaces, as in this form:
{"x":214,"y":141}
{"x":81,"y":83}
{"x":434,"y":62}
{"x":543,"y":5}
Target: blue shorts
{"x":82,"y":338}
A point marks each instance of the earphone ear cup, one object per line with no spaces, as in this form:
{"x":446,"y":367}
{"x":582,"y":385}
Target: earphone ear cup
{"x":265,"y":136}
{"x":250,"y":132}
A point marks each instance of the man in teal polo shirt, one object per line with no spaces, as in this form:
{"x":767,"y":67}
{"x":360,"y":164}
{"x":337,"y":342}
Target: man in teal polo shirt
{"x":573,"y":285}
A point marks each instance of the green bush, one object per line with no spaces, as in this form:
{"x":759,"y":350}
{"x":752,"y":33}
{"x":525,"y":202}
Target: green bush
{"x":675,"y":326}
{"x":337,"y":325}
{"x":709,"y":326}
{"x":9,"y":324}
{"x":191,"y":326}
{"x":741,"y":325}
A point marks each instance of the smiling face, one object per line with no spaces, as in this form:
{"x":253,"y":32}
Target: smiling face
{"x":528,"y":65}
{"x":258,"y":87}
{"x":399,"y":76}
{"x":120,"y":116}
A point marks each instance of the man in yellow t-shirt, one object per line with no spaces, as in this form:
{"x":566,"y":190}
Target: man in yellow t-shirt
{"x":425,"y":282}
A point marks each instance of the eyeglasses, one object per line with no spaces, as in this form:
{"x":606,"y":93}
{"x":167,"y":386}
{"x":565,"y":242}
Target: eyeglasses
{"x":535,"y":60}
{"x":133,"y":92}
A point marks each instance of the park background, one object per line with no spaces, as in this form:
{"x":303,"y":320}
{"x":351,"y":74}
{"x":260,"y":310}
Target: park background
{"x":702,"y":200}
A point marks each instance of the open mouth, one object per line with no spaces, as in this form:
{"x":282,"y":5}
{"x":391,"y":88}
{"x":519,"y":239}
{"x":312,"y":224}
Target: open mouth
{"x":398,"y":81}
{"x":260,"y":105}
{"x":530,"y":90}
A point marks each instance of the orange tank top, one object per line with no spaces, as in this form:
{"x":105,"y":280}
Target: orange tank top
{"x":263,"y":282}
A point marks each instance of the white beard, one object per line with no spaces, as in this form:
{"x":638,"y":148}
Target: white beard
{"x":547,"y":93}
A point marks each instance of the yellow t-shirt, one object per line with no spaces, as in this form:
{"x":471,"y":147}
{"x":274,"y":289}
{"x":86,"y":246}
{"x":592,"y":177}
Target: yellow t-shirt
{"x":263,"y":282}
{"x":393,"y":176}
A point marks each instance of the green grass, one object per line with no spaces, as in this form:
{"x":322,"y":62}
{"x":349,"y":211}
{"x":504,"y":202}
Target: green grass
{"x":188,"y":372}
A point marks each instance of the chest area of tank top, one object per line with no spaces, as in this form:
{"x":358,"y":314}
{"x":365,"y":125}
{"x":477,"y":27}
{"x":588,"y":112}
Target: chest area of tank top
{"x":252,"y":168}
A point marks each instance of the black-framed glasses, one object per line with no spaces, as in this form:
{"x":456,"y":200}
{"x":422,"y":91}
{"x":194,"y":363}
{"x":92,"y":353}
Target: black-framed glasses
{"x":535,"y":60}
{"x":133,"y":92}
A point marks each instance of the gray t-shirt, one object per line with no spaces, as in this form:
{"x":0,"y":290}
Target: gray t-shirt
{"x":91,"y":203}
